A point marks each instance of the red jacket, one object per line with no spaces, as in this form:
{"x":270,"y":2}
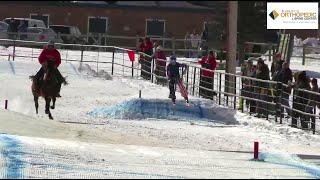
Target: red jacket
{"x":148,"y":46}
{"x":213,"y":64}
{"x":47,"y":54}
{"x":141,"y":46}
{"x":161,"y":55}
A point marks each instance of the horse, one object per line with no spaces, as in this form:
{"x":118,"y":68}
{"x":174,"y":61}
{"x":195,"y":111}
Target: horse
{"x":49,"y":88}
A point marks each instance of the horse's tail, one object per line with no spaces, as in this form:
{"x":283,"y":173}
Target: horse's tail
{"x":65,"y":82}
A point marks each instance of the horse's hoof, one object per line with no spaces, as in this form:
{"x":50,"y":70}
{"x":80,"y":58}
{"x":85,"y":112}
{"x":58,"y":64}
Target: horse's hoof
{"x":47,"y":111}
{"x":50,"y":117}
{"x":52,"y":107}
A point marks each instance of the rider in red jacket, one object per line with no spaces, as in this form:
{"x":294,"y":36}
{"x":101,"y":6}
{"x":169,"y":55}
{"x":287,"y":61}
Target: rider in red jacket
{"x":49,"y":53}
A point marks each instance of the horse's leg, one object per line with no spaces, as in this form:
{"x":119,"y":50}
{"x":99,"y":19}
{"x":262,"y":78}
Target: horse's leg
{"x":48,"y":100}
{"x":36,"y":104}
{"x":53,"y":102}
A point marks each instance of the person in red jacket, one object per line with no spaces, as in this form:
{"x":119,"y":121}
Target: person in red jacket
{"x":147,"y":59}
{"x":160,"y":69}
{"x":49,"y":53}
{"x":206,"y":78}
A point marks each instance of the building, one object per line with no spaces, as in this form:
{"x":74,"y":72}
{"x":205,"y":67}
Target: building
{"x":123,"y":18}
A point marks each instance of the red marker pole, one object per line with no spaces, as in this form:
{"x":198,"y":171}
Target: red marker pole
{"x":6,"y":104}
{"x":256,"y":150}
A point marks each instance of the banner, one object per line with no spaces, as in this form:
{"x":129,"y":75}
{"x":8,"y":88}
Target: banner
{"x":131,"y":55}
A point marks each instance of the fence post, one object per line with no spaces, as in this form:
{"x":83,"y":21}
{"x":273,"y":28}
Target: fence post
{"x":132,"y":68}
{"x":303,"y":54}
{"x":313,"y":119}
{"x":279,"y":100}
{"x":81,"y":57}
{"x":235,"y":92}
{"x":173,"y":46}
{"x":194,"y":79}
{"x":112,"y":65}
{"x":187,"y":85}
{"x":152,"y":69}
{"x":220,"y":76}
{"x":14,"y":50}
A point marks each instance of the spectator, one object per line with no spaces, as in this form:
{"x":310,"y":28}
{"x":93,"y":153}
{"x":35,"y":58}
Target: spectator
{"x":160,"y":69}
{"x":314,"y":99}
{"x":12,"y":29}
{"x":253,"y":104}
{"x":286,"y":90}
{"x":23,"y":30}
{"x":300,"y":99}
{"x":155,"y":45}
{"x":140,"y":49}
{"x":247,"y":89}
{"x":146,"y":60}
{"x":187,"y":44}
{"x":195,"y":38}
{"x":277,"y":58}
{"x":262,"y":88}
{"x":206,"y":78}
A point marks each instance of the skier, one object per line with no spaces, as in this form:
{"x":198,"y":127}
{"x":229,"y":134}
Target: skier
{"x":174,"y":78}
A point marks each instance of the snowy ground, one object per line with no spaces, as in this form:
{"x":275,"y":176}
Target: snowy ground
{"x":218,"y":147}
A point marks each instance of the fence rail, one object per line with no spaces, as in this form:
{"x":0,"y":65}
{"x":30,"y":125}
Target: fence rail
{"x":263,"y":99}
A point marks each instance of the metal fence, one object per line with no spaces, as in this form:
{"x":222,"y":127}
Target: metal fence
{"x":264,"y":101}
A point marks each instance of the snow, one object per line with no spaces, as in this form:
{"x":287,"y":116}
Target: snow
{"x":97,"y":132}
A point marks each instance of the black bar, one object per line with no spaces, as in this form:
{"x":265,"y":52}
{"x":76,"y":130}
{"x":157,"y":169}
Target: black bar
{"x":187,"y":78}
{"x":194,"y":79}
{"x":279,"y":93}
{"x":235,"y":92}
{"x":220,"y":76}
{"x":152,"y":70}
{"x":112,"y":61}
{"x":132,"y":68}
{"x":14,"y":50}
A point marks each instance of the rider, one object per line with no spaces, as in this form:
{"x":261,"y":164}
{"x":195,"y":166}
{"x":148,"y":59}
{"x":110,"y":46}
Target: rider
{"x":174,"y":77}
{"x":49,"y":53}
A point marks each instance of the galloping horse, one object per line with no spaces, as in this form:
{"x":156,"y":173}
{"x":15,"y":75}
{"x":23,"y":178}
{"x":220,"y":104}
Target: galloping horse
{"x":49,"y":88}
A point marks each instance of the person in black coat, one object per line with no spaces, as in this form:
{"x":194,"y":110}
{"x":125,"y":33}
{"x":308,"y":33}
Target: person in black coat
{"x":12,"y":29}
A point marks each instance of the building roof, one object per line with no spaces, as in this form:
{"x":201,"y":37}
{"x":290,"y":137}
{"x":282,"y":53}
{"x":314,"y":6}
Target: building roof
{"x":172,"y":4}
{"x":91,"y":2}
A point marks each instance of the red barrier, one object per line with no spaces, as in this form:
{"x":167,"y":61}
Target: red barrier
{"x":256,"y":150}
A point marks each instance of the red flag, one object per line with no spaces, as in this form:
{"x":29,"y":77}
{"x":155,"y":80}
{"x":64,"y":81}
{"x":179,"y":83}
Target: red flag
{"x":131,"y":55}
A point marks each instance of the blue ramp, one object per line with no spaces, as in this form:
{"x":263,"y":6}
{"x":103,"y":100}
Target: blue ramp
{"x":163,"y":109}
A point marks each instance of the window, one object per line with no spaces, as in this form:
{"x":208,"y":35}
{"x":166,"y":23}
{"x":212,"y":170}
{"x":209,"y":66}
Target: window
{"x":155,"y":28}
{"x":97,"y":25}
{"x":44,"y":18}
{"x":3,"y":26}
{"x":61,"y":29}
